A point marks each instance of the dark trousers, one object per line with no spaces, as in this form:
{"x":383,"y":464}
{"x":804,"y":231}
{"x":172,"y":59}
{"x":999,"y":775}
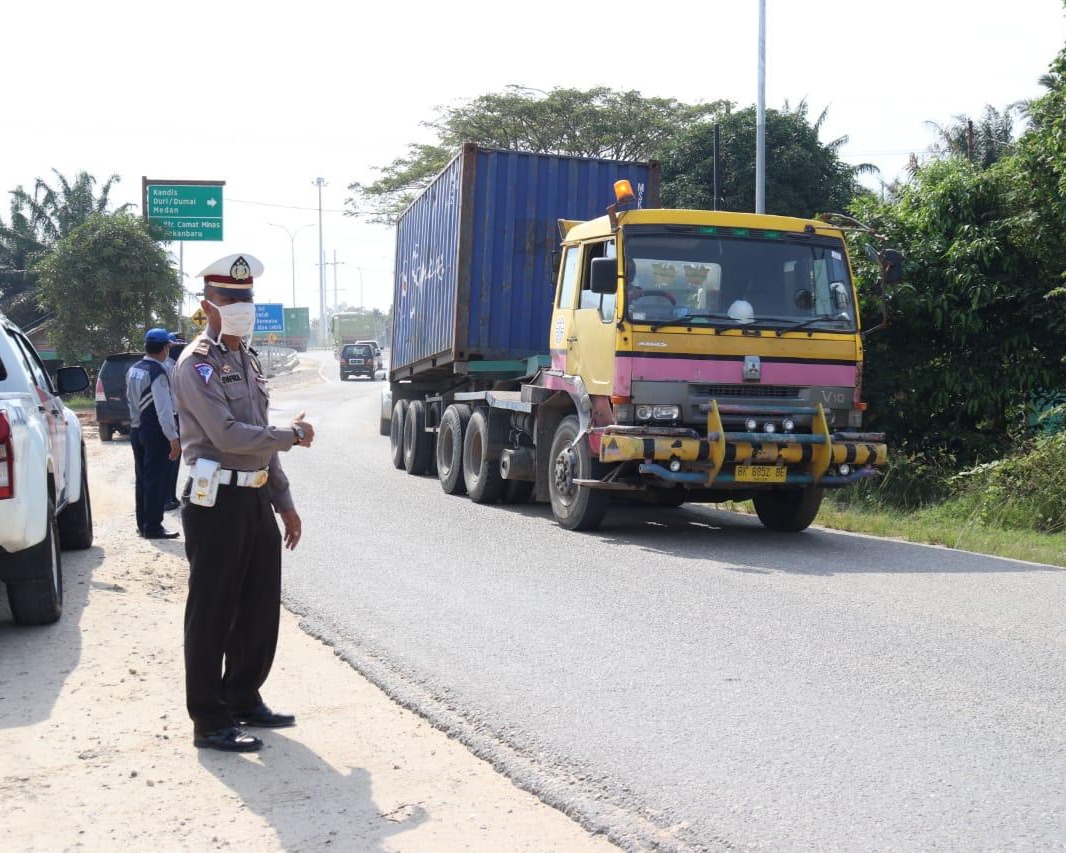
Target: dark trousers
{"x":232,"y":613}
{"x":152,"y":468}
{"x":171,"y":490}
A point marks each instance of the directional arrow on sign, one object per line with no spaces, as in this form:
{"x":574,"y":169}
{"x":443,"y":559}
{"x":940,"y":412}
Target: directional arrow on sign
{"x":211,"y":202}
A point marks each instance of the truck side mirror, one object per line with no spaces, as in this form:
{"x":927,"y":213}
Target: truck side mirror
{"x":892,"y":266}
{"x":604,"y":275}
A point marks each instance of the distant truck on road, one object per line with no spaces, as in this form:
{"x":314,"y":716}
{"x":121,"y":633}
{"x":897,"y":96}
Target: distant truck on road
{"x":680,"y":356}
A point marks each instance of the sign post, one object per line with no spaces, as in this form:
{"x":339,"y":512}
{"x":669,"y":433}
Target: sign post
{"x":269,"y":317}
{"x":186,"y":210}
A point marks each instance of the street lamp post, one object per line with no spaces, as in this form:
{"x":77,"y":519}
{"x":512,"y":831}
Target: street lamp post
{"x":292,"y":251}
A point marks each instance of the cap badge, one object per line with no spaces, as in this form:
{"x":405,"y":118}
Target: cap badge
{"x":240,"y":270}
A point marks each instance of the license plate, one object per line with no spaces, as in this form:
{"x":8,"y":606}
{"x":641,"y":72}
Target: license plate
{"x":760,"y":474}
{"x":355,"y":361}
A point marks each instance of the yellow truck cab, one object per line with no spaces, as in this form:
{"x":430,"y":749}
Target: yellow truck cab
{"x":721,"y":356}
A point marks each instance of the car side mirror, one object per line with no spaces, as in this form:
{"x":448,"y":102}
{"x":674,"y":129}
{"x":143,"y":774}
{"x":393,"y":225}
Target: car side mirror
{"x":604,"y":275}
{"x":71,"y":380}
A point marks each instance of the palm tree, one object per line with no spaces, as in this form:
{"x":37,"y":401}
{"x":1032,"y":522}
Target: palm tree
{"x":51,"y":213}
{"x":983,"y":142}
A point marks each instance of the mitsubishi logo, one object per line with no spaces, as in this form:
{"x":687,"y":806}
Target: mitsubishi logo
{"x":752,"y":368}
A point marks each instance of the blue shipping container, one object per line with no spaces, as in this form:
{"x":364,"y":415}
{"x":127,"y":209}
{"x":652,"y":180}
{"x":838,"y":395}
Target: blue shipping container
{"x":474,"y":253}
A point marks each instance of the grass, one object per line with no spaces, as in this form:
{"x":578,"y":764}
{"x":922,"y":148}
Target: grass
{"x":80,"y":402}
{"x":953,"y":524}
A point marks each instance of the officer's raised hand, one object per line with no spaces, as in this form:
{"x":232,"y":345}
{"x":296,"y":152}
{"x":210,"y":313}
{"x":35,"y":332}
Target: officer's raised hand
{"x":303,"y":431}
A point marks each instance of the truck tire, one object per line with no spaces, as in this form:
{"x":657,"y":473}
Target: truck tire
{"x":788,"y":510}
{"x":516,"y":491}
{"x":481,"y":466}
{"x":107,"y":432}
{"x":76,"y":521}
{"x":450,"y":448}
{"x":396,"y":432}
{"x":383,"y":426}
{"x":38,"y":600}
{"x":574,"y":507}
{"x":415,"y":439}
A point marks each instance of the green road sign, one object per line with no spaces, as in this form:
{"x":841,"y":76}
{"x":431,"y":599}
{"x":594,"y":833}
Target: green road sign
{"x":190,"y":211}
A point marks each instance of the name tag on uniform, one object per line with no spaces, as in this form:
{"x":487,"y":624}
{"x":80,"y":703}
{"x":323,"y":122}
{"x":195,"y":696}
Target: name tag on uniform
{"x":232,"y":377}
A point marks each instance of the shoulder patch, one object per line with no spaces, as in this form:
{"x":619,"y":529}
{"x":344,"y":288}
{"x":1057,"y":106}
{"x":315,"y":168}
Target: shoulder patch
{"x":205,"y":370}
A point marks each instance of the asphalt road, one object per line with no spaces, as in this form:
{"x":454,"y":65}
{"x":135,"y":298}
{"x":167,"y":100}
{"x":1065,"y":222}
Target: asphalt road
{"x":683,"y":677}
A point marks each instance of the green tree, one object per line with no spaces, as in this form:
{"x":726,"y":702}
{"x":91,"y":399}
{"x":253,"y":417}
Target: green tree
{"x":973,"y":335}
{"x":107,"y":281}
{"x":597,"y":122}
{"x":1041,"y":189}
{"x":803,"y":175}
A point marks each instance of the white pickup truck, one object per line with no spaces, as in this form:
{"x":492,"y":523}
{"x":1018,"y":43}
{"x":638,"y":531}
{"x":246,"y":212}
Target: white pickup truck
{"x":44,"y":488}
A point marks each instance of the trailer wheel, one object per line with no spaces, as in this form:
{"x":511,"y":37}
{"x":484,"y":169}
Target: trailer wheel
{"x":396,"y":432}
{"x":450,"y":448}
{"x":574,"y":507}
{"x":415,"y":439}
{"x":788,"y":510}
{"x":481,"y":472}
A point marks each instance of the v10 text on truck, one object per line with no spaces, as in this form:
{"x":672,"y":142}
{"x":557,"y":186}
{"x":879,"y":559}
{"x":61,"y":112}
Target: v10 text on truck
{"x":682,"y":355}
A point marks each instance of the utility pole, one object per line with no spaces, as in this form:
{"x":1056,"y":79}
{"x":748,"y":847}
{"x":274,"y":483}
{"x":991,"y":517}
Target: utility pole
{"x":760,"y":126}
{"x":335,"y":264}
{"x":320,"y":182}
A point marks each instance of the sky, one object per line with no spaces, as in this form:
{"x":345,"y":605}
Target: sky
{"x":269,"y":100}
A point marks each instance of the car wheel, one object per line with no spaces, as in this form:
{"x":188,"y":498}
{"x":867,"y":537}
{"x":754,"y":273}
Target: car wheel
{"x":415,"y":439}
{"x":76,"y":521}
{"x":38,"y":600}
{"x":481,"y":464}
{"x":575,"y":507}
{"x":396,"y":432}
{"x":107,"y":432}
{"x":450,"y":448}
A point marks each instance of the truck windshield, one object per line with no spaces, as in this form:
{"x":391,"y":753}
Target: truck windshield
{"x":728,"y":276}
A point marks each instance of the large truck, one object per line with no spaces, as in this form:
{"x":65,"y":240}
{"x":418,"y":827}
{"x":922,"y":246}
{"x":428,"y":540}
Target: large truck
{"x":666,"y":356}
{"x":346,"y":327}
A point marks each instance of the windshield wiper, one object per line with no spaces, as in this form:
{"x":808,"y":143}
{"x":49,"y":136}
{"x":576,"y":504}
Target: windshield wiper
{"x":821,"y":318}
{"x":684,"y":321}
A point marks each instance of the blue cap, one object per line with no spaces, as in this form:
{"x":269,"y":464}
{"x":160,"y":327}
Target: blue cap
{"x":175,"y":338}
{"x":157,"y":336}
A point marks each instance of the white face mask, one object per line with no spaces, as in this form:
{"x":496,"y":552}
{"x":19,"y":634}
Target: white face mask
{"x":238,"y":318}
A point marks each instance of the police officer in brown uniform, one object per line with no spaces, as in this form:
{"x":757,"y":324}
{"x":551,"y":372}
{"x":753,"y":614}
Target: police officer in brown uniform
{"x":232,"y":540}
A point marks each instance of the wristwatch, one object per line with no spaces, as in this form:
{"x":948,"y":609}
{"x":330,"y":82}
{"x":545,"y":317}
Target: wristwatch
{"x":298,"y":434}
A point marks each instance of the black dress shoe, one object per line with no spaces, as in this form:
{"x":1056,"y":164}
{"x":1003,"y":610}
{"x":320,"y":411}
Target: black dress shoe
{"x":227,"y":740}
{"x":262,"y":717}
{"x":161,"y":534}
{"x":173,"y":503}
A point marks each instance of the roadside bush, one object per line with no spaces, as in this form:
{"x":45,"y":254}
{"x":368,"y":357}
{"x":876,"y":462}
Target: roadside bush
{"x":911,"y":481}
{"x":1022,"y":492}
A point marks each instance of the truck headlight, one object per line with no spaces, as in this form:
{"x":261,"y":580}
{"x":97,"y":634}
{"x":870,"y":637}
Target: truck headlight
{"x":644,"y":413}
{"x":666,"y":413}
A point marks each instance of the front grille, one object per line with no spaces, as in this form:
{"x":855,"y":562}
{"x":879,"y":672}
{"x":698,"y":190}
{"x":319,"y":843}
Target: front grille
{"x":776,"y":391}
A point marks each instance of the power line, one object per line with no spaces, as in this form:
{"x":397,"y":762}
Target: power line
{"x":295,"y":207}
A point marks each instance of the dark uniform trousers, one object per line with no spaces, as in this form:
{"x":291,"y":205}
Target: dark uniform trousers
{"x":234,"y":604}
{"x":152,"y":471}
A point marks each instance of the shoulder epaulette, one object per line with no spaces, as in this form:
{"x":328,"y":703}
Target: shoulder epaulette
{"x":202,"y":347}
